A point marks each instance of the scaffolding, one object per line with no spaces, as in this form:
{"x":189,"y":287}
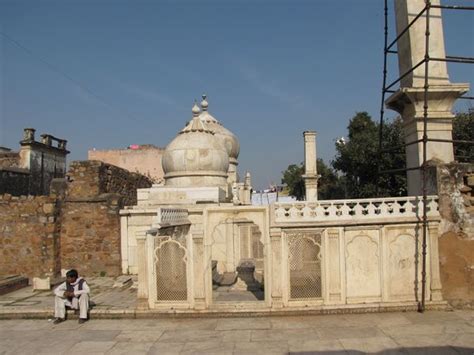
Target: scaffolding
{"x":388,"y":50}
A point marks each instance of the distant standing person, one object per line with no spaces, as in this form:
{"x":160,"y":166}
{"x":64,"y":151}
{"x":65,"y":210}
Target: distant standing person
{"x":73,"y":293}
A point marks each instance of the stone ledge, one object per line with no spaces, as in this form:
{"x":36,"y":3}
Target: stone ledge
{"x":12,"y":283}
{"x":220,"y":313}
{"x":105,"y":197}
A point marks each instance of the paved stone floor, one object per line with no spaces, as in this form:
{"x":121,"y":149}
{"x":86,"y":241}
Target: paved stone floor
{"x":434,"y":332}
{"x":104,"y":295}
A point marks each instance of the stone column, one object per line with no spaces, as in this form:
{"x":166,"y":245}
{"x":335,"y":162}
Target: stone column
{"x":142,"y":292}
{"x":435,"y":285}
{"x":276,"y":268}
{"x":334,"y":267}
{"x":229,"y":240}
{"x":124,"y":242}
{"x":199,"y":267}
{"x":310,"y":176}
{"x":409,"y":99}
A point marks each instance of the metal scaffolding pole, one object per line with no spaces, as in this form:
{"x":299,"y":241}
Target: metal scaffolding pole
{"x":425,"y":139}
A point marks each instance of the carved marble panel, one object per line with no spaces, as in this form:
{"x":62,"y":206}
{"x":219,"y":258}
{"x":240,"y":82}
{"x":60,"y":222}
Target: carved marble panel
{"x":363,"y":264}
{"x":403,"y":264}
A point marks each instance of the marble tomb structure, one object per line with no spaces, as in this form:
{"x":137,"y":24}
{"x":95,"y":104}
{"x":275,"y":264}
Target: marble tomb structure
{"x":198,"y":245}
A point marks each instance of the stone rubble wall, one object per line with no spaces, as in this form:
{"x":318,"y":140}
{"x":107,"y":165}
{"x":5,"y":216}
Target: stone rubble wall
{"x":76,"y":226}
{"x":455,"y":183}
{"x":29,"y":236}
{"x":91,"y":178}
{"x":90,"y":221}
{"x":90,"y":235}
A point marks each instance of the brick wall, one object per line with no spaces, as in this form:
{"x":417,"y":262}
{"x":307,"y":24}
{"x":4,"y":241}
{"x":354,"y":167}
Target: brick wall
{"x":77,"y":226}
{"x":90,"y":235}
{"x":455,"y":183}
{"x":29,"y":238}
{"x":91,"y":178}
{"x":90,"y":221}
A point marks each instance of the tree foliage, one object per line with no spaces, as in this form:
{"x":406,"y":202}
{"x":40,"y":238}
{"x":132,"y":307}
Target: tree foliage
{"x":293,"y":178}
{"x":328,"y":182}
{"x":463,"y":129}
{"x":353,"y":173}
{"x":357,"y":158}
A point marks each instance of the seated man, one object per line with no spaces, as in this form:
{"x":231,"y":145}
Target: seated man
{"x":73,"y":293}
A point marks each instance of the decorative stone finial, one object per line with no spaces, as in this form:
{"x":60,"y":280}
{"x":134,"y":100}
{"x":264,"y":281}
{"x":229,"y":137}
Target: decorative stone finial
{"x":204,"y":103}
{"x":196,"y":125}
{"x":29,"y":134}
{"x":196,"y":111}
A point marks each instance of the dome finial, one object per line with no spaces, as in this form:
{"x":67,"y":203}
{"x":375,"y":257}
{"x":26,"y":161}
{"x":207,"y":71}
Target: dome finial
{"x":204,"y":103}
{"x":196,"y":111}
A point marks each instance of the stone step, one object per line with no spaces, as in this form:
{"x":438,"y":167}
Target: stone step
{"x":11,"y":283}
{"x":123,"y":281}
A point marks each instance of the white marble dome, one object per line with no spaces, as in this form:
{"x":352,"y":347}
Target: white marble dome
{"x":229,"y":139}
{"x":196,"y":157}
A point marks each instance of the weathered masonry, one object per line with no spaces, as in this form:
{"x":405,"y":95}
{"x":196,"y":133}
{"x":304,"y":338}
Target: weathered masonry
{"x":31,"y":170}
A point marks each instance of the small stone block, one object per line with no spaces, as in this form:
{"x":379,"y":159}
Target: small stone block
{"x":41,"y":283}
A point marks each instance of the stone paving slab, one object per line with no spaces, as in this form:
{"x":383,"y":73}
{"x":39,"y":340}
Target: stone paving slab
{"x":121,"y":302}
{"x":433,"y":332}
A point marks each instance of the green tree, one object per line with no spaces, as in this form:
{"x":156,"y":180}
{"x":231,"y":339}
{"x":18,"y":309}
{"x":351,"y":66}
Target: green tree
{"x":293,"y":178}
{"x":328,"y":182}
{"x":463,"y":129}
{"x":330,"y":185}
{"x":357,"y":158}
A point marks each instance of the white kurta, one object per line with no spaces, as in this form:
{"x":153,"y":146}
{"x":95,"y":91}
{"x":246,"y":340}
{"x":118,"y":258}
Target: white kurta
{"x":79,"y":301}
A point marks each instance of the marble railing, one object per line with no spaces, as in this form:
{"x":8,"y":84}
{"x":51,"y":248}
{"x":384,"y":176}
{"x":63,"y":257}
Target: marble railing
{"x":355,"y":210}
{"x":172,"y":216}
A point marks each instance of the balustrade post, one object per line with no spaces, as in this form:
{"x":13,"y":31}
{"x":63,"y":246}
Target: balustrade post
{"x":277,"y":268}
{"x":142,"y":270}
{"x":199,"y":268}
{"x":436,"y":294}
{"x":333,"y":262}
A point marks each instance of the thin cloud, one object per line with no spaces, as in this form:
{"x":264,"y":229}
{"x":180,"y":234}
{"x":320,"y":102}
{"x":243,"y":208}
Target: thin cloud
{"x":268,"y":88}
{"x":149,"y":95}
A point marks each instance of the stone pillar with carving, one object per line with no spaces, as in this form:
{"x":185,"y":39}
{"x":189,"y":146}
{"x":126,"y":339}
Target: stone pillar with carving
{"x":311,"y":175}
{"x":409,"y":99}
{"x":142,"y":270}
{"x":276,"y":268}
{"x":199,"y":262}
{"x":435,"y":285}
{"x":334,"y":283}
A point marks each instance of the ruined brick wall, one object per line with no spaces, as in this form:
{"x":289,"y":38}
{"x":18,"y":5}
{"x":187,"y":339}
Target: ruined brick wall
{"x":456,"y":244}
{"x":90,"y":235}
{"x":29,"y":236}
{"x":90,"y":221}
{"x":457,"y":269}
{"x":92,"y":178}
{"x":77,"y":226}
